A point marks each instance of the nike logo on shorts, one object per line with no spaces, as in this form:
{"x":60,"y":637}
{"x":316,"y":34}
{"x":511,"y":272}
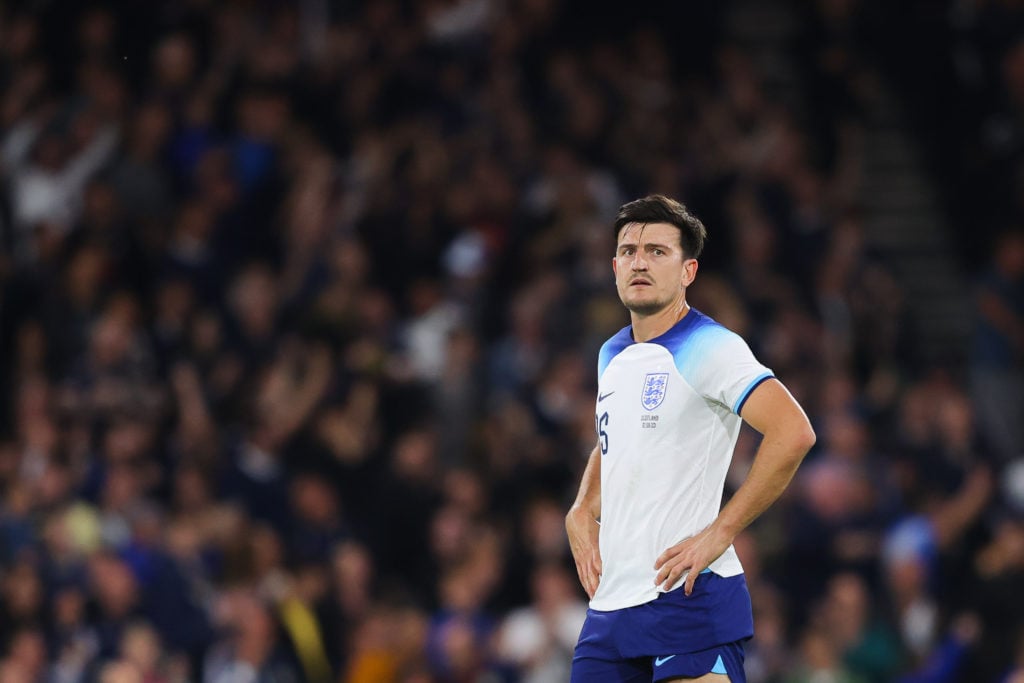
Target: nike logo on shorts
{"x":661,"y":660}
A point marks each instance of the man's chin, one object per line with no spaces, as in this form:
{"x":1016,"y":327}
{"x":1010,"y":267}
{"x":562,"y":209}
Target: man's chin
{"x":644,"y":308}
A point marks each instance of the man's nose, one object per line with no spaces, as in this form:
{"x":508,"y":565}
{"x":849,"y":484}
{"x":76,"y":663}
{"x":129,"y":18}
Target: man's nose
{"x":639,"y":262}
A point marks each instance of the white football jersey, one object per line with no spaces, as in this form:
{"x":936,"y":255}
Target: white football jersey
{"x":667,"y":422}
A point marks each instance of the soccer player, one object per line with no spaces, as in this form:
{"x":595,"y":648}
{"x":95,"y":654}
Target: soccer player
{"x":668,"y":600}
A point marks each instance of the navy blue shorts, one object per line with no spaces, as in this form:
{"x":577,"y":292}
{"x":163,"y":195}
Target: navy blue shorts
{"x":671,"y":636}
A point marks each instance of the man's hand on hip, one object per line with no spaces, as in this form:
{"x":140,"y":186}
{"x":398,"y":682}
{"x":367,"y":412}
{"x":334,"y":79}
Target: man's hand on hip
{"x":692,"y":555}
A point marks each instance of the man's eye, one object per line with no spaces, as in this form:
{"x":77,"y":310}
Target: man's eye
{"x":659,"y":252}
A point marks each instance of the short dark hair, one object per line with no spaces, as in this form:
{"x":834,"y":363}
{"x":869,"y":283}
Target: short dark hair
{"x":656,"y":208}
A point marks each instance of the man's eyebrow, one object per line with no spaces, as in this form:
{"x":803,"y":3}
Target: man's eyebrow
{"x":647,"y":245}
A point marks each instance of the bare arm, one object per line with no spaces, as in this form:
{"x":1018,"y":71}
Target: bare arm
{"x":788,"y":435}
{"x":17,"y":144}
{"x":1001,"y":317}
{"x":582,"y":527}
{"x":81,"y":167}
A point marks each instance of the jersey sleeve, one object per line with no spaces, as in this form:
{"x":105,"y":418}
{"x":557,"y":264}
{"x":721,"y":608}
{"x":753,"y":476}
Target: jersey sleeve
{"x":720,"y":366}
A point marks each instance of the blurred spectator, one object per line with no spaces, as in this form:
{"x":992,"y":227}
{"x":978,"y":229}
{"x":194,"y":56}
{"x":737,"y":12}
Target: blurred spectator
{"x":25,"y":655}
{"x":539,"y":640}
{"x":820,"y":659}
{"x":141,"y":648}
{"x":944,"y":663}
{"x":999,"y":579}
{"x":252,"y":648}
{"x":869,"y":648}
{"x":48,"y":171}
{"x":996,"y":360}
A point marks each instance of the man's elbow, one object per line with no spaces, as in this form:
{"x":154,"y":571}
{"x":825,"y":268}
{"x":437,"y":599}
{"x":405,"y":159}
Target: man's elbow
{"x":795,"y":439}
{"x":803,"y":439}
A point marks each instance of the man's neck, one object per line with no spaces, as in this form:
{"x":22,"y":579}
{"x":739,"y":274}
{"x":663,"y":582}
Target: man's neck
{"x":647,"y":327}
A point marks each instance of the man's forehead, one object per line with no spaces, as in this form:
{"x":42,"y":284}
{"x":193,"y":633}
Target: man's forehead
{"x":649,"y":232}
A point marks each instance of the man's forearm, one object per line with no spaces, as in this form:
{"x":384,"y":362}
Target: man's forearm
{"x":774,"y":466}
{"x":588,"y":499}
{"x":582,"y":527}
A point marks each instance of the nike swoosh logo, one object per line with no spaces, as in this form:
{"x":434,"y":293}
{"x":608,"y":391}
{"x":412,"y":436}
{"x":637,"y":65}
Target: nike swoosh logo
{"x":661,"y":660}
{"x":602,"y":397}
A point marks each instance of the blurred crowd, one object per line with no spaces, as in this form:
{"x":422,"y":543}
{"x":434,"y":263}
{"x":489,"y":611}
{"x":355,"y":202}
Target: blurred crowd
{"x":300,"y":305}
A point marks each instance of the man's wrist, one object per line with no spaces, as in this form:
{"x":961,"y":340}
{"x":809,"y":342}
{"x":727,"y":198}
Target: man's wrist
{"x":725,"y":531}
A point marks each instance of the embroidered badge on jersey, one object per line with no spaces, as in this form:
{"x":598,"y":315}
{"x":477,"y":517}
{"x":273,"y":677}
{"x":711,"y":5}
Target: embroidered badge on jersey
{"x":655,"y":385}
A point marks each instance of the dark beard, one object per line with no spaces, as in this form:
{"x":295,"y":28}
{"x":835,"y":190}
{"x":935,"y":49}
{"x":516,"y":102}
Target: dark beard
{"x":646,"y":308}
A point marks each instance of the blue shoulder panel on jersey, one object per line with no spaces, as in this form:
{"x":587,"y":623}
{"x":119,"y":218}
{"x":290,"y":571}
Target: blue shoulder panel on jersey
{"x":613,"y":347}
{"x":690,"y":339}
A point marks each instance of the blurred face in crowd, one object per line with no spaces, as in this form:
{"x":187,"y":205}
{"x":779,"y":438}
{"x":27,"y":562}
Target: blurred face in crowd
{"x":22,"y":591}
{"x":174,"y":61}
{"x":120,"y":672}
{"x":27,"y":650}
{"x":113,"y":585}
{"x":1010,"y":255}
{"x":651,"y":270}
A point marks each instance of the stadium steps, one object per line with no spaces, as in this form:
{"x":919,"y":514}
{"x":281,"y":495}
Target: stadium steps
{"x":903,"y":219}
{"x":764,"y":28}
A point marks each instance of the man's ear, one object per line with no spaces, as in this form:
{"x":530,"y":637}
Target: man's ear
{"x":689,"y":271}
{"x":615,"y":266}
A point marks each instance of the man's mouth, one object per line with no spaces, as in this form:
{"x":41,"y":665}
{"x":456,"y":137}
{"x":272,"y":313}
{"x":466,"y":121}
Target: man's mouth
{"x":639,"y":281}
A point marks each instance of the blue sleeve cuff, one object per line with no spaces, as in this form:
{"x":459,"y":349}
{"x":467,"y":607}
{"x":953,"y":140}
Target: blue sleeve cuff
{"x":750,"y":388}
